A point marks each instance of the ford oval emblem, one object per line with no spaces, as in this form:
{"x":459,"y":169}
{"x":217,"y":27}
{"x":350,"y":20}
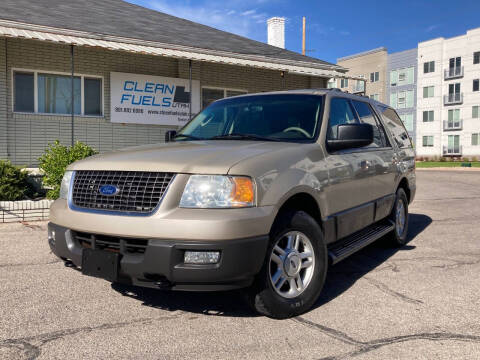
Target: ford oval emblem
{"x":108,"y":190}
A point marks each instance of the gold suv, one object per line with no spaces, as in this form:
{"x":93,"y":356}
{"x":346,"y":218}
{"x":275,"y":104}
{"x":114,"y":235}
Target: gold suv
{"x":262,"y":192}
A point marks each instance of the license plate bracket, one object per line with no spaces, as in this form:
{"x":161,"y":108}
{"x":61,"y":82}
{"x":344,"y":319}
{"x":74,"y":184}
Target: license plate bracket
{"x":101,"y":264}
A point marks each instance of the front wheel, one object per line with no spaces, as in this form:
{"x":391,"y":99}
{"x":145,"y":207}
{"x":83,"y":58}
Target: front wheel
{"x":294,"y":270}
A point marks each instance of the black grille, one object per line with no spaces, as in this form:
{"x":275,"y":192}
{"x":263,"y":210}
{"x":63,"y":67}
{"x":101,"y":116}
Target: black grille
{"x":111,"y":243}
{"x":138,"y":191}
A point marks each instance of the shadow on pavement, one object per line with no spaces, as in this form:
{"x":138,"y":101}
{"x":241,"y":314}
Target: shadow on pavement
{"x":231,"y":303}
{"x":344,"y":274}
{"x":226,"y":303}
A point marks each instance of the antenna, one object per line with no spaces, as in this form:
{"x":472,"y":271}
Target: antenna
{"x":303,"y":37}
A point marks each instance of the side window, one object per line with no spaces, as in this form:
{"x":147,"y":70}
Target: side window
{"x":366,"y":116}
{"x":396,"y":127}
{"x":341,"y":112}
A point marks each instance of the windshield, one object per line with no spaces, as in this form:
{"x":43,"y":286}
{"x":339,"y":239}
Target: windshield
{"x":288,"y":117}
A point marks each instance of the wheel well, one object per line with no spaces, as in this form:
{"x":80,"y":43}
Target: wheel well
{"x":404,"y":185}
{"x":303,"y":202}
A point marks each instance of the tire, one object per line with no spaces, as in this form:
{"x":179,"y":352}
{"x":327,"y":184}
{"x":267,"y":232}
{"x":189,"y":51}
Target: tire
{"x":304,"y":258}
{"x":398,"y":237}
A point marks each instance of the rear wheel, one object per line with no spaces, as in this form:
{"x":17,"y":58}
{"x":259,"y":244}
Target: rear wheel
{"x":294,"y":270}
{"x":399,"y":216}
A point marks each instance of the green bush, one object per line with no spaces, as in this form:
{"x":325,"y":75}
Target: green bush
{"x":13,"y":182}
{"x":55,"y":161}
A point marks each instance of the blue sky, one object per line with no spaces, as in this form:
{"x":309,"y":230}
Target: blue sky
{"x":334,"y":28}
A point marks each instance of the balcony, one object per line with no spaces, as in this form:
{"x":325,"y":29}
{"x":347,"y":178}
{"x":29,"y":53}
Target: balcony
{"x":452,"y":99}
{"x":454,"y":73}
{"x":452,"y":151}
{"x":452,"y":125}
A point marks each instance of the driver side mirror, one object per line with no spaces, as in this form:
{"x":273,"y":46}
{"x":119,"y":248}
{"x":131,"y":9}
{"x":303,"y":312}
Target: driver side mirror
{"x":351,"y":136}
{"x":170,"y":135}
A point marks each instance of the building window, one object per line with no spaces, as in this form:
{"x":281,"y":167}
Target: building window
{"x":428,"y":67}
{"x":428,"y":92}
{"x":375,"y":97}
{"x":54,"y":94}
{"x":407,"y":121}
{"x":209,"y":95}
{"x":332,"y":83}
{"x":344,"y":83}
{"x":475,"y":84}
{"x":374,"y":76}
{"x":476,"y":57}
{"x":402,"y":99}
{"x":428,"y":116}
{"x":427,"y":141}
{"x":475,"y":111}
{"x":475,"y":138}
{"x":24,"y":92}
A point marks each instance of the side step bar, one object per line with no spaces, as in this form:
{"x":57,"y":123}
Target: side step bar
{"x":343,"y":248}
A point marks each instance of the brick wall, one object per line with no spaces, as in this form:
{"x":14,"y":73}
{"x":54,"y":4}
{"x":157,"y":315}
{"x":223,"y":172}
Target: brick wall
{"x":29,"y":134}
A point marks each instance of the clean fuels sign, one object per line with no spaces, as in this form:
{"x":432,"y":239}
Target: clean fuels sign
{"x":145,"y":99}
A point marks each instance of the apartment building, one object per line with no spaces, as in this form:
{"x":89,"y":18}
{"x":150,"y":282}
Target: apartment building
{"x":402,"y":87}
{"x":448,"y":97}
{"x":370,"y":65}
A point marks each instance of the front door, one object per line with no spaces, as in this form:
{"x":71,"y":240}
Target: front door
{"x":351,"y":174}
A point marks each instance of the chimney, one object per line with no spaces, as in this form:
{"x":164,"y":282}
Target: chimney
{"x":276,"y":32}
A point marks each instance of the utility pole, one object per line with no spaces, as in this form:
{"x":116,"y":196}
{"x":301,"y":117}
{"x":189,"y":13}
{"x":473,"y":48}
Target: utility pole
{"x":303,"y":37}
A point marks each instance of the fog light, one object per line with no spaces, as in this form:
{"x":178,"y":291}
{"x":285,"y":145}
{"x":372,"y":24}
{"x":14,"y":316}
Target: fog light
{"x":201,"y":257}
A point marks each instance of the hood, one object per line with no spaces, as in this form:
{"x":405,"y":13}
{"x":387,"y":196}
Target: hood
{"x":200,"y":157}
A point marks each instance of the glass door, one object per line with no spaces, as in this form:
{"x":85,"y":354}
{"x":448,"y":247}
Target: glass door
{"x":454,"y":92}
{"x":453,"y":144}
{"x":455,"y":65}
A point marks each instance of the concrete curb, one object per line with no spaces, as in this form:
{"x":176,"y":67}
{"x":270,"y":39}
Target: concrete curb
{"x":458,"y":168}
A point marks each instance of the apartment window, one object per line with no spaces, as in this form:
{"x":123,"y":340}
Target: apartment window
{"x":54,"y":94}
{"x":427,"y":141}
{"x":475,"y":138}
{"x":476,"y":85}
{"x":475,"y":111}
{"x":375,"y":97}
{"x":476,"y":57}
{"x":428,"y":67}
{"x":374,"y":76}
{"x":428,"y":92}
{"x":209,"y":95}
{"x":344,"y":83}
{"x":393,"y":78}
{"x":453,"y":118}
{"x":428,"y":116}
{"x":407,"y":121}
{"x":401,"y":100}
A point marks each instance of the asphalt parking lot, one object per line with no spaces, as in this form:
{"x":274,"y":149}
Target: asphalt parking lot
{"x":421,"y":301}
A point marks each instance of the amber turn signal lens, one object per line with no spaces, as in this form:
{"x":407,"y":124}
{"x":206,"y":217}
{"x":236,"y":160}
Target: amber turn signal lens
{"x":243,"y":193}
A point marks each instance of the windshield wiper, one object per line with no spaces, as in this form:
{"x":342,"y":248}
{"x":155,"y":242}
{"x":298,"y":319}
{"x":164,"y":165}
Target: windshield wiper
{"x":237,"y":136}
{"x":188,"y":137}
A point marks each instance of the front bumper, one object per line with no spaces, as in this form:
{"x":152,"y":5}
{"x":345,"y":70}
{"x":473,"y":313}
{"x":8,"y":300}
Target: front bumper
{"x":161,"y":265}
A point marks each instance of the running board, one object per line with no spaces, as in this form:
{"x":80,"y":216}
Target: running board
{"x":343,"y":248}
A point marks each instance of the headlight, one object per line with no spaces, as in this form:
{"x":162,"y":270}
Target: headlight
{"x":216,"y":191}
{"x":67,"y":178}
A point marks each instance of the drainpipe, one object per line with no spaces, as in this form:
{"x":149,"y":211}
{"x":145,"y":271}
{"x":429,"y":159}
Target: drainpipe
{"x":190,"y":81}
{"x":73,"y":95}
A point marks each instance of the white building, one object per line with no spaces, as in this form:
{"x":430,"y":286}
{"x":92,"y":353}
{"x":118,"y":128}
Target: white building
{"x":448,"y":96}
